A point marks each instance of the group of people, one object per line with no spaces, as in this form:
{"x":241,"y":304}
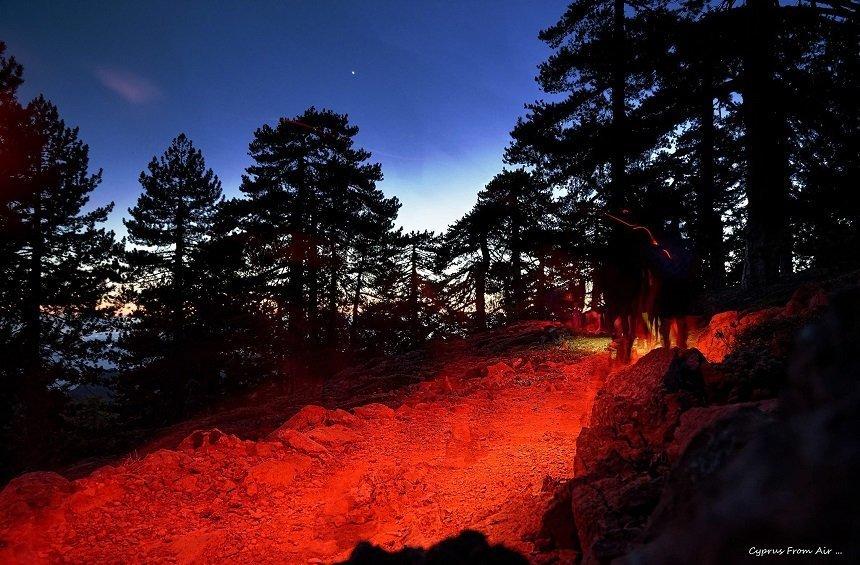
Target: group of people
{"x":647,"y":286}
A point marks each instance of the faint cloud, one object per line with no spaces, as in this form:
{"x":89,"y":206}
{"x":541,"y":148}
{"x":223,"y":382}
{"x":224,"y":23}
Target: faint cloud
{"x":131,"y":87}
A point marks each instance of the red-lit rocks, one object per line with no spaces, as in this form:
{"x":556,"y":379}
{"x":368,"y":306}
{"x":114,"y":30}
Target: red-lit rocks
{"x":470,"y":449}
{"x":719,"y":337}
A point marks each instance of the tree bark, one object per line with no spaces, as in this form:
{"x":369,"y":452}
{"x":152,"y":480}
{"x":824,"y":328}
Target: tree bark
{"x":34,"y":314}
{"x":331,"y":333}
{"x":617,"y":200}
{"x":481,"y":284}
{"x":711,"y":227}
{"x":765,"y":148}
{"x":356,"y":301}
{"x":517,"y":272}
{"x":296,"y":257}
{"x":179,"y":274}
{"x":413,"y":296}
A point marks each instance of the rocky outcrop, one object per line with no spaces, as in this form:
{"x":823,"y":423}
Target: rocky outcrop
{"x":721,"y":335}
{"x":788,"y":478}
{"x":672,"y":470}
{"x":621,"y":458}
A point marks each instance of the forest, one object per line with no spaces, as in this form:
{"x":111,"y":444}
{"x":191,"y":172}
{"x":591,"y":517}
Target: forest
{"x":686,"y":153}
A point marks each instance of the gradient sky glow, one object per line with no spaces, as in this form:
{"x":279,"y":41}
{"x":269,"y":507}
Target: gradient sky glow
{"x":435,"y":86}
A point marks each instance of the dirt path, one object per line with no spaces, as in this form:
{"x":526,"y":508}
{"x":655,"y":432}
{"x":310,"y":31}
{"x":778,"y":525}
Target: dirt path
{"x":458,"y":453}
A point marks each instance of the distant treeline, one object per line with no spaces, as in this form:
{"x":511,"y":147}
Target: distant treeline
{"x":727,"y":129}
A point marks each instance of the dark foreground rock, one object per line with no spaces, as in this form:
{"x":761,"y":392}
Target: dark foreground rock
{"x":468,"y":548}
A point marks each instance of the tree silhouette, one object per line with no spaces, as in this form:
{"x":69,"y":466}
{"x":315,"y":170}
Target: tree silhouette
{"x":466,"y":253}
{"x":523,"y":209}
{"x":171,"y":219}
{"x":58,"y":266}
{"x":313,"y":208}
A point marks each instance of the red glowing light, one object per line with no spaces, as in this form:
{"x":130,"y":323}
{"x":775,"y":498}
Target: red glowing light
{"x":651,"y":237}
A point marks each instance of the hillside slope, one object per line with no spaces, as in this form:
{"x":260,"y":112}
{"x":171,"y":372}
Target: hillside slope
{"x":470,"y":448}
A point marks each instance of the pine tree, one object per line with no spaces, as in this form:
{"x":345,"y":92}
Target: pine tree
{"x":231,"y":330}
{"x":171,"y":219}
{"x":419,"y":258}
{"x":18,"y":149}
{"x":586,"y":135}
{"x":313,"y":213}
{"x":466,"y":253}
{"x":61,"y":263}
{"x":523,"y":209}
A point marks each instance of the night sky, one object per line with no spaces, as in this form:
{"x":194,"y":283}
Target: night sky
{"x":434,"y":86}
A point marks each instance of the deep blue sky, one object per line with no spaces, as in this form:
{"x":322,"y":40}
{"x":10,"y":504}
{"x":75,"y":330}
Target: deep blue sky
{"x":437,"y":85}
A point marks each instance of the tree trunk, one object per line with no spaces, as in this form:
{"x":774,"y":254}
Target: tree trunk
{"x":179,"y":275}
{"x":296,"y":258}
{"x":711,"y":227}
{"x":413,"y":296}
{"x":765,"y":149}
{"x":356,"y":301}
{"x":517,"y":273}
{"x":481,"y":284}
{"x":331,"y":333}
{"x":311,"y":310}
{"x":617,"y":200}
{"x":34,"y":314}
{"x":177,"y":395}
{"x":541,"y":290}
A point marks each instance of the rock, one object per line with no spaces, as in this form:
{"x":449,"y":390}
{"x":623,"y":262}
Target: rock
{"x":163,"y":462}
{"x":747,"y":475}
{"x":558,"y":530}
{"x":718,"y":338}
{"x":467,"y":547}
{"x":298,"y":441}
{"x":711,"y":438}
{"x":695,"y":420}
{"x":308,"y":417}
{"x":630,"y":413}
{"x":335,"y":434}
{"x":31,"y":494}
{"x":275,"y":473}
{"x":188,"y":483}
{"x":807,"y":299}
{"x":621,"y":460}
{"x":342,"y":417}
{"x":685,"y":375}
{"x":207,"y":440}
{"x":374,"y":411}
{"x":496,"y":374}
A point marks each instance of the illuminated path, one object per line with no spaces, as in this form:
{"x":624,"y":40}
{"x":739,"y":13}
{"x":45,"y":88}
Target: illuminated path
{"x":460,"y":453}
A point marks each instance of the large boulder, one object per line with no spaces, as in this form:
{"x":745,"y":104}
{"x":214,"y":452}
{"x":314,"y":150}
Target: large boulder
{"x":28,"y":509}
{"x":621,"y":460}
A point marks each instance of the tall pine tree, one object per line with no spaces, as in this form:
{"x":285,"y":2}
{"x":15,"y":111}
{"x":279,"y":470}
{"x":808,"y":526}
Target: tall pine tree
{"x":59,"y":261}
{"x":173,"y":216}
{"x":313,"y":210}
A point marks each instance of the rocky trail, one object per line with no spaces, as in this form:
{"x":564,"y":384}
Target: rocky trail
{"x":471,"y":447}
